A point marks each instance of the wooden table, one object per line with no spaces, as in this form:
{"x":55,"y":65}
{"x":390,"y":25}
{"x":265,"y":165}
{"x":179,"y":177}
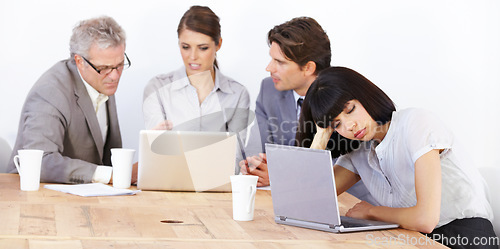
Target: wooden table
{"x":51,"y":219}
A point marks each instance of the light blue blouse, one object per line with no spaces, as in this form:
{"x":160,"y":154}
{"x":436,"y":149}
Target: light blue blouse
{"x":388,"y":169}
{"x":172,"y":96}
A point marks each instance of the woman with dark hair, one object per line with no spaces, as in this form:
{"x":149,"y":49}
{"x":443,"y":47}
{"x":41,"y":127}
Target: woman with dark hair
{"x":409,"y":161}
{"x":197,"y":97}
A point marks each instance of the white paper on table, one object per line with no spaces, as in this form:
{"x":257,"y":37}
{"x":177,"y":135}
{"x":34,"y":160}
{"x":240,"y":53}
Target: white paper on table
{"x":91,"y":189}
{"x":265,"y":188}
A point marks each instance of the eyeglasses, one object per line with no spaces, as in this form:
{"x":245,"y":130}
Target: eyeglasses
{"x":104,"y":70}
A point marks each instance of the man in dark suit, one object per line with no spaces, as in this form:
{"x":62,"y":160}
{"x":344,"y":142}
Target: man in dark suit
{"x":70,"y":113}
{"x":299,"y":50}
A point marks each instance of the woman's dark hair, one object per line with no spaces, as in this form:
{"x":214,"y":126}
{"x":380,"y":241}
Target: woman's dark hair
{"x":302,"y":39}
{"x":203,"y":20}
{"x":326,"y":99}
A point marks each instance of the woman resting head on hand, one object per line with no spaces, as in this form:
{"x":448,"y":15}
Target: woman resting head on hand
{"x":409,"y":161}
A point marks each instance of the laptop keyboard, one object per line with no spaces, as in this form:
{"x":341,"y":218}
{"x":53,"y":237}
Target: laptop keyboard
{"x":351,"y":222}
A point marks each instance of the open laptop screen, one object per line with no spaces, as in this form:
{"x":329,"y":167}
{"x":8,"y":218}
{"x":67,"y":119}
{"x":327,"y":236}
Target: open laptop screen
{"x":186,"y":160}
{"x":302,"y":185}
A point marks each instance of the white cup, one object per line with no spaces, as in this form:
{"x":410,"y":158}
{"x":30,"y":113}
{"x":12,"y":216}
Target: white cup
{"x":29,"y":164}
{"x":244,"y":188}
{"x":121,"y":159}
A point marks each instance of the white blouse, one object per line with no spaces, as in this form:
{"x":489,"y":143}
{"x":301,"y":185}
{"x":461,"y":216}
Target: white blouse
{"x":171,"y":96}
{"x":388,"y":169}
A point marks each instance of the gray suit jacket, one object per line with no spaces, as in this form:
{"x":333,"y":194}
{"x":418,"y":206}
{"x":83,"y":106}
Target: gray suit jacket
{"x":58,"y":117}
{"x":276,"y":116}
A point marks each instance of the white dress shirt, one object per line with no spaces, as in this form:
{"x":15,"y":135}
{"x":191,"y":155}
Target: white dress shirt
{"x":388,"y":169}
{"x":99,"y":102}
{"x":102,"y":174}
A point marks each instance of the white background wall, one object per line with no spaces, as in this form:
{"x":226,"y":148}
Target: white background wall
{"x":442,"y":55}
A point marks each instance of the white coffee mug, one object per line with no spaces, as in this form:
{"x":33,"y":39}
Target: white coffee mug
{"x":122,"y":161}
{"x":244,"y":188}
{"x":29,"y":164}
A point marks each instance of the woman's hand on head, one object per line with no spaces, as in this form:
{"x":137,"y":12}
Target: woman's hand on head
{"x":321,"y":137}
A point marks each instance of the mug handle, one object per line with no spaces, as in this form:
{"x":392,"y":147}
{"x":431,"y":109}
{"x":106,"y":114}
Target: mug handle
{"x":253,"y":190}
{"x":16,"y":162}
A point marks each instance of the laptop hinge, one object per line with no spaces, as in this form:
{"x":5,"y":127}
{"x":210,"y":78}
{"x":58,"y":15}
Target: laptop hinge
{"x":282,"y":218}
{"x":336,"y":227}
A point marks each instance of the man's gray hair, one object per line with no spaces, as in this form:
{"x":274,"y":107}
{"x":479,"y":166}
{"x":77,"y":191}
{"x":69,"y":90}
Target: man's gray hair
{"x":103,"y":31}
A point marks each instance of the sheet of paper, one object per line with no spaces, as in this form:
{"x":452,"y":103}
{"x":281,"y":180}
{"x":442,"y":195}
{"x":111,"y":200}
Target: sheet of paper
{"x":264,"y":188}
{"x":91,"y":189}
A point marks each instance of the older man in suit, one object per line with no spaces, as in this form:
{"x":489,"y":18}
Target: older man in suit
{"x":70,"y":113}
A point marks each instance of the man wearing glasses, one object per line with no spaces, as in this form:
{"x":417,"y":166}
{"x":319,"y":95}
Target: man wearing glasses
{"x":70,"y":113}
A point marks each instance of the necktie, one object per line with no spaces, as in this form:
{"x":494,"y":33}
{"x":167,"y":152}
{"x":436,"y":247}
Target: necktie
{"x":299,"y":107}
{"x":101,"y":114}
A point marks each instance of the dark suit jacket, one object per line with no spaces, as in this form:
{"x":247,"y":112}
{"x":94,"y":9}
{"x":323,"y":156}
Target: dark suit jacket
{"x":58,"y":117}
{"x":276,"y":116}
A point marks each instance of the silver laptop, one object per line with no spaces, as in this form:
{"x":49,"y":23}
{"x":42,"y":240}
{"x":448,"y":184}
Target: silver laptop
{"x":304,"y":194}
{"x":186,"y":160}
